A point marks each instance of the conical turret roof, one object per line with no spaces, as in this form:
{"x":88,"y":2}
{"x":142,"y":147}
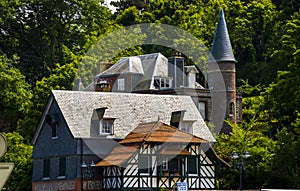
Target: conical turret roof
{"x":221,"y":49}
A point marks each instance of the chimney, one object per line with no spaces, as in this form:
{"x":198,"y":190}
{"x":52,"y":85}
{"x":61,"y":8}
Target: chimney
{"x":176,"y":70}
{"x":191,"y":72}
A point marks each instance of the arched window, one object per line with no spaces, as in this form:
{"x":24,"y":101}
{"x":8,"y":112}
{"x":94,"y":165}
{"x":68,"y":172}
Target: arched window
{"x":231,"y":109}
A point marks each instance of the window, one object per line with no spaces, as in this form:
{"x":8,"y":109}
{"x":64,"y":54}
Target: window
{"x":54,"y":131}
{"x":165,"y":164}
{"x":52,"y":121}
{"x":176,"y":117}
{"x":174,"y":165}
{"x":62,"y":167}
{"x":231,"y":109}
{"x":144,"y":164}
{"x":202,"y":109}
{"x":192,"y":165}
{"x":106,"y":127}
{"x":186,"y":126}
{"x":162,"y":82}
{"x":46,"y":168}
{"x":121,"y":84}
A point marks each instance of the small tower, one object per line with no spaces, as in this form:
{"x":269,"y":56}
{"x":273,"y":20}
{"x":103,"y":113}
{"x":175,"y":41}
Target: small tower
{"x":221,"y":60}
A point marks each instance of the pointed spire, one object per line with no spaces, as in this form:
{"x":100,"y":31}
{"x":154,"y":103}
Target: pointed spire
{"x":221,"y":49}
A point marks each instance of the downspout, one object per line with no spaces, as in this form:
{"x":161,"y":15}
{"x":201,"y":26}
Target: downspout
{"x":81,"y":161}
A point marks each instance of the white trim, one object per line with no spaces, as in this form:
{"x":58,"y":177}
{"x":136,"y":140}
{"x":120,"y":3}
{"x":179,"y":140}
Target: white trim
{"x":42,"y":121}
{"x":121,"y":84}
{"x":108,"y":121}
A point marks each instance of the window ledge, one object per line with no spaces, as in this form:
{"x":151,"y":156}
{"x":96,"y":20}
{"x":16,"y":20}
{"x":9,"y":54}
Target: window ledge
{"x":61,"y":177}
{"x":45,"y":178}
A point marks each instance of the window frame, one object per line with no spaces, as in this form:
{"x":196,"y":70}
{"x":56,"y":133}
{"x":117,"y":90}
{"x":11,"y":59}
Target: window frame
{"x":62,"y":167}
{"x":46,"y":169}
{"x":163,"y":82}
{"x":202,"y":109}
{"x":144,"y":171}
{"x":102,"y":131}
{"x":186,"y":126}
{"x":121,"y":84}
{"x":164,"y":163}
{"x":54,"y":133}
{"x":196,"y":167}
{"x":231,"y":109}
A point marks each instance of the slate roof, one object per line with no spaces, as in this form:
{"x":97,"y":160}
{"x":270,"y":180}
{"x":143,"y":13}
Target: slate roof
{"x":129,"y":110}
{"x":157,"y":132}
{"x":147,"y":65}
{"x":221,"y":49}
{"x":131,"y":64}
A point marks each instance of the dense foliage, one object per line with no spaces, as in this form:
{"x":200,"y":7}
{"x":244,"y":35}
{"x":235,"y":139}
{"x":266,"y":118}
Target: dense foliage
{"x":43,"y":41}
{"x":19,"y":153}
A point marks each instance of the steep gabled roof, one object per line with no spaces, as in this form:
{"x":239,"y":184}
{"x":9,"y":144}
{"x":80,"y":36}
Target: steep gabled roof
{"x":221,"y":49}
{"x":129,"y":110}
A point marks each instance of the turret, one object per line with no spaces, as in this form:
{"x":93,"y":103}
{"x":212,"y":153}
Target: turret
{"x":221,"y":60}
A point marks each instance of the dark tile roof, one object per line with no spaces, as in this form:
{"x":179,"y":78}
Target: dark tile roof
{"x":221,"y":49}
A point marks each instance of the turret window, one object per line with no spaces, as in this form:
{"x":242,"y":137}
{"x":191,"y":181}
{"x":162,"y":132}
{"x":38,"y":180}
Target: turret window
{"x":231,"y":109}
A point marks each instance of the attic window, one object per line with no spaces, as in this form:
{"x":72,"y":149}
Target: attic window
{"x":176,"y":118}
{"x":186,"y":126}
{"x":106,"y":126}
{"x":52,"y":121}
{"x":163,"y":82}
{"x":54,"y":131}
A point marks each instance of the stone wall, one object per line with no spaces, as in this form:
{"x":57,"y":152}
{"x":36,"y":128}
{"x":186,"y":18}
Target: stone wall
{"x":65,"y":185}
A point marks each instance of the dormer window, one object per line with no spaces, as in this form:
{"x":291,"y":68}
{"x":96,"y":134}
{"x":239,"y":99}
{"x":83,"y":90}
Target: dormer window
{"x":106,"y":126}
{"x":186,"y":126}
{"x":163,"y":82}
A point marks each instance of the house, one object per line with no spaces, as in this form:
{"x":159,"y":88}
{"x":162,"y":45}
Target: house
{"x":217,"y":99}
{"x":156,"y":155}
{"x":80,"y":128}
{"x":145,"y":116}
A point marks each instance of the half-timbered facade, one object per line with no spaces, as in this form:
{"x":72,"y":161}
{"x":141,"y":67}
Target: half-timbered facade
{"x":156,"y":155}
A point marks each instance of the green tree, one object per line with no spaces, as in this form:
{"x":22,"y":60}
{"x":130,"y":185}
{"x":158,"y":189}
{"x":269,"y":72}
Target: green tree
{"x":20,"y":154}
{"x":37,"y":31}
{"x":62,"y":78}
{"x":283,"y":97}
{"x":244,"y":138}
{"x":141,"y":5}
{"x":284,"y":171}
{"x":15,"y":94}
